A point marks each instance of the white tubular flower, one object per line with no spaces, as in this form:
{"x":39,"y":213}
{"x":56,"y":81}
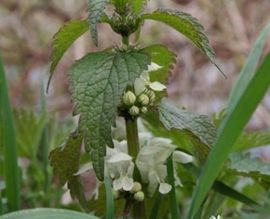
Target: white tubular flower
{"x":144,"y":80}
{"x":151,"y":164}
{"x":119,"y":166}
{"x":181,"y":157}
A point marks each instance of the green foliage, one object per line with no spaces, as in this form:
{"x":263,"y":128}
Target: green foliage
{"x":45,"y":213}
{"x":98,"y":81}
{"x":96,"y":10}
{"x":187,"y":25}
{"x":29,"y":128}
{"x":65,"y":159}
{"x":137,"y":5}
{"x":109,"y":199}
{"x":243,"y":164}
{"x":8,"y":142}
{"x":63,"y":39}
{"x":251,"y":140}
{"x":161,"y":55}
{"x":239,"y":111}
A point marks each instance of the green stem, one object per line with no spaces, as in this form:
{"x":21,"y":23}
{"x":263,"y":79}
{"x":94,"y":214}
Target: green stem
{"x":125,"y":40}
{"x":138,"y":208}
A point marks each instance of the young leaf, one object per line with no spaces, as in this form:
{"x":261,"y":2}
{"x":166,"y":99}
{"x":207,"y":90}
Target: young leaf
{"x":175,"y":118}
{"x":238,"y":113}
{"x":137,"y":5}
{"x":187,"y":25}
{"x":161,"y":55}
{"x":8,"y":142}
{"x":63,"y":39}
{"x":96,"y":10}
{"x":98,"y":81}
{"x":65,"y":160}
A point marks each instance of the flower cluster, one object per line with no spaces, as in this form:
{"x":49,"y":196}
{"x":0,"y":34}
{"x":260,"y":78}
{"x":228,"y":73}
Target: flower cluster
{"x":150,"y":161}
{"x":143,"y":94}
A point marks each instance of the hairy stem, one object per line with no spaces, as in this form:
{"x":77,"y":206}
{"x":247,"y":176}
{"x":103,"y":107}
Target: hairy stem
{"x":125,"y":40}
{"x":138,"y":208}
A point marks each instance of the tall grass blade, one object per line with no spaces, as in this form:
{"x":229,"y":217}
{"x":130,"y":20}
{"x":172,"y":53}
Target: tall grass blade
{"x":239,"y":111}
{"x":8,"y":143}
{"x":109,"y":199}
{"x":175,"y":214}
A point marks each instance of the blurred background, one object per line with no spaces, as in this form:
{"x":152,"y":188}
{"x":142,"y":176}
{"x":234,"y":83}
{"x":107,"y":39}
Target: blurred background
{"x":27,"y":28}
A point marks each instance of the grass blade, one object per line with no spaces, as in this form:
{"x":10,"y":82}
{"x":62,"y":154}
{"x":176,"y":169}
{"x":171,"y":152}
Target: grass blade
{"x":175,"y":214}
{"x":109,"y":199}
{"x":8,"y":143}
{"x":239,"y":111}
{"x":155,"y":208}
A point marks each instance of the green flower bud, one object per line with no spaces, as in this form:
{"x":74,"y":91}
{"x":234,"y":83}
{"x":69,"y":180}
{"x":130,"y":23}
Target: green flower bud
{"x":134,"y":111}
{"x":144,"y":109}
{"x":136,"y":187}
{"x":115,"y":194}
{"x":143,"y":99}
{"x":139,"y":196}
{"x":129,"y":98}
{"x":151,"y":95}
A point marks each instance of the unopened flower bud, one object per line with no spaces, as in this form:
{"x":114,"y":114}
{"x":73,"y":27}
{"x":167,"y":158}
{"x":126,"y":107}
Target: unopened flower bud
{"x":129,"y":98}
{"x":144,"y":109}
{"x":139,"y":196}
{"x":143,"y":99}
{"x":151,"y":95}
{"x":136,"y":187}
{"x":134,"y":111}
{"x":115,"y":194}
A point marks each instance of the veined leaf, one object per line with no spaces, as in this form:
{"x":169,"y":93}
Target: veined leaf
{"x":137,"y":5}
{"x":161,"y":55}
{"x":65,"y":160}
{"x":251,"y":140}
{"x":175,"y":118}
{"x":239,"y":111}
{"x":243,"y":164}
{"x":45,"y":213}
{"x":187,"y":25}
{"x":63,"y":39}
{"x":98,"y":81}
{"x":96,"y":10}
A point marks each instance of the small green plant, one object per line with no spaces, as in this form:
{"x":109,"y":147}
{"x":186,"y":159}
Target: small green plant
{"x":148,"y":155}
{"x":128,"y":81}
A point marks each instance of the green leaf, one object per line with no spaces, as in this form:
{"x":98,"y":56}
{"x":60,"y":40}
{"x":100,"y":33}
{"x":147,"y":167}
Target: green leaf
{"x":8,"y":142}
{"x":45,"y":213}
{"x":179,"y":119}
{"x":245,"y":165}
{"x":98,"y":81}
{"x":251,"y":140}
{"x":77,"y":191}
{"x":184,"y":139}
{"x":161,"y":55}
{"x":109,"y":199}
{"x":137,"y":5}
{"x":96,"y":10}
{"x":65,"y":160}
{"x":238,"y":113}
{"x":175,"y":213}
{"x":248,"y":71}
{"x":63,"y":39}
{"x":187,"y":25}
{"x":29,"y":128}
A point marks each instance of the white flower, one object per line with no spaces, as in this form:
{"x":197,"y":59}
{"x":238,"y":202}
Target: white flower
{"x":144,"y":80}
{"x":151,"y":162}
{"x":119,"y":166}
{"x":181,"y":157}
{"x":217,"y":217}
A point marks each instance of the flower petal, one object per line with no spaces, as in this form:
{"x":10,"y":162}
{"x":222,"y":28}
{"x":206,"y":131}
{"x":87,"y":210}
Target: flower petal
{"x":181,"y":157}
{"x":157,"y":86}
{"x":127,"y":183}
{"x":164,"y":188}
{"x":153,"y":67}
{"x":139,"y":86}
{"x":118,"y":184}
